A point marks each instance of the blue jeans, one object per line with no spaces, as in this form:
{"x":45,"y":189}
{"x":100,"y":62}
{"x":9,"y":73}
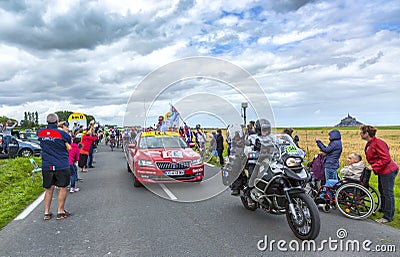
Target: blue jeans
{"x":386,"y":189}
{"x":74,"y":174}
{"x":89,"y":162}
{"x":6,"y":142}
{"x":330,"y":174}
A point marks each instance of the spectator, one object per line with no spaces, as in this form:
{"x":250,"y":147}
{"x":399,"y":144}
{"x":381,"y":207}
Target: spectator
{"x":378,"y":156}
{"x":332,"y":154}
{"x":220,"y":146}
{"x":288,"y":131}
{"x":86,"y":142}
{"x":213,"y":145}
{"x":355,"y":167}
{"x":188,"y":134}
{"x":161,"y":125}
{"x":73,"y":158}
{"x":250,"y":128}
{"x":228,"y":141}
{"x":200,"y":139}
{"x":55,"y":166}
{"x":317,"y":169}
{"x":75,"y":128}
{"x":91,"y":154}
{"x":7,"y":133}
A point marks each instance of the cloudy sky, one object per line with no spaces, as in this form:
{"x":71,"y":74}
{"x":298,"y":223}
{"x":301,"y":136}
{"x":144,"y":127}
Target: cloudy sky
{"x":315,"y":61}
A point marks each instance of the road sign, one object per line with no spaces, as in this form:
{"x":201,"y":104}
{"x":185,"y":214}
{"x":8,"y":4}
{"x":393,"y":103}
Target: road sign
{"x":78,"y":118}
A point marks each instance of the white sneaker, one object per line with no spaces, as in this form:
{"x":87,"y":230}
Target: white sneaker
{"x":76,"y":189}
{"x":71,"y":190}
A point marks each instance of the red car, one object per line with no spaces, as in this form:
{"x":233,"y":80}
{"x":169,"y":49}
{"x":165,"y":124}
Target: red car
{"x":163,"y":157}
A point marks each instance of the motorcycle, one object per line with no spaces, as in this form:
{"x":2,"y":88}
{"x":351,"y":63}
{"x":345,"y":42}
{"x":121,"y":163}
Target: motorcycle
{"x":279,"y":185}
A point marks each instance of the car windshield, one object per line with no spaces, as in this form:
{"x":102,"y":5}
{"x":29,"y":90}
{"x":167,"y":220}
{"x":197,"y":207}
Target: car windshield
{"x":28,"y":136}
{"x":161,"y":142}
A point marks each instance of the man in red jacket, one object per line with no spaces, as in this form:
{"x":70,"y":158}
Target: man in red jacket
{"x":87,"y":140}
{"x":378,"y":156}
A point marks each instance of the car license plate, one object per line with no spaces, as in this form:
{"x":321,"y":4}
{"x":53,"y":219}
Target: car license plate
{"x":174,"y":173}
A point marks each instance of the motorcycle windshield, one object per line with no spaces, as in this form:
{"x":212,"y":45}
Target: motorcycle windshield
{"x":286,"y":145}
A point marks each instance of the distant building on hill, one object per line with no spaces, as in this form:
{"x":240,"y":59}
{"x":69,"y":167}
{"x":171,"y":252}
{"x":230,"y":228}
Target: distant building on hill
{"x":349,"y":122}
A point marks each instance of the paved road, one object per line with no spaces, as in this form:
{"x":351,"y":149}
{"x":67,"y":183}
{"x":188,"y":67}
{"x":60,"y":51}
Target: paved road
{"x":112,"y":218}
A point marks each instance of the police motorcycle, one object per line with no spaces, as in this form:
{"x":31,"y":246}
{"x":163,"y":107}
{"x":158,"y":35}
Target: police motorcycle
{"x":277,"y":181}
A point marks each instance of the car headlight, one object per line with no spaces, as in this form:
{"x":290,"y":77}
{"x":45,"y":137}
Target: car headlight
{"x":293,"y":162}
{"x":145,"y":163}
{"x":197,"y":161}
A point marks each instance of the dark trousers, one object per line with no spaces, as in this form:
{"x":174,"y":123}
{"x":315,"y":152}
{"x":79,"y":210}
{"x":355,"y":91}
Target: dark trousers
{"x":221,"y":158}
{"x":74,"y":174}
{"x":242,"y":179}
{"x":6,"y":142}
{"x":386,"y":189}
{"x":90,"y":158}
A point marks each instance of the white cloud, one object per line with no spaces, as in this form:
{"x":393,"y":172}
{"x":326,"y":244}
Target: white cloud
{"x":306,"y":55}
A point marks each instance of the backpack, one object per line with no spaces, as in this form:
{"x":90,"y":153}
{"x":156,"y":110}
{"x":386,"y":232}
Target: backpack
{"x":317,"y":167}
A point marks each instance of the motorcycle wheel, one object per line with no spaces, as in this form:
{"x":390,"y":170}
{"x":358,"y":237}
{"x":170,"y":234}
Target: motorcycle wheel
{"x":307,"y":224}
{"x":243,"y":197}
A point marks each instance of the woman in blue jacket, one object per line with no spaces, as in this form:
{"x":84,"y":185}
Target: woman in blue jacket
{"x":332,"y":154}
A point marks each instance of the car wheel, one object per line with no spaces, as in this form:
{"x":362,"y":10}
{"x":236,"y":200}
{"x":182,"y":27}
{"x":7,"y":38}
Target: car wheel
{"x":136,"y":182}
{"x":25,"y":152}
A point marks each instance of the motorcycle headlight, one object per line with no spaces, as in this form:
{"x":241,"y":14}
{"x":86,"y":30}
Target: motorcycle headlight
{"x":145,"y":163}
{"x":293,"y":162}
{"x":197,"y":161}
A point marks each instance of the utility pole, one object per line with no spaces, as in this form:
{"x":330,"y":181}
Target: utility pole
{"x":244,"y":106}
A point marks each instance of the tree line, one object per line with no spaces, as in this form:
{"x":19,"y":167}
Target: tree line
{"x":31,"y":119}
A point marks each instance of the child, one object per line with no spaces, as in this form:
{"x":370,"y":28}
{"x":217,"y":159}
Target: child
{"x":74,"y":157}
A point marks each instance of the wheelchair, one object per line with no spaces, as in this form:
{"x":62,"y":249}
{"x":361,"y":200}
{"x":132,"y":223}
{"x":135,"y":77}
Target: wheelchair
{"x":355,"y":199}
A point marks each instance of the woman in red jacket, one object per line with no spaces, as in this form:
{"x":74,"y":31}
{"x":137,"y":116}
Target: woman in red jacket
{"x":378,"y":156}
{"x":87,"y":140}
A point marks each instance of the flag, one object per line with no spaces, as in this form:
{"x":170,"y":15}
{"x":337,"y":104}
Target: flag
{"x":172,"y":118}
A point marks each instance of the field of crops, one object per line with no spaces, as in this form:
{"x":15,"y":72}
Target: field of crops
{"x":351,"y":140}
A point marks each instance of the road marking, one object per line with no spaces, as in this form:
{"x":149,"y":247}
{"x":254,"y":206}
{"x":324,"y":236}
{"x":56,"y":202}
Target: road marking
{"x":30,"y":208}
{"x":168,"y":192}
{"x":209,"y":164}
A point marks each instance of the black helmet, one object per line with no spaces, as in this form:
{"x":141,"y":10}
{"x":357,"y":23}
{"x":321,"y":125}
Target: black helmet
{"x":198,"y":126}
{"x":264,"y":125}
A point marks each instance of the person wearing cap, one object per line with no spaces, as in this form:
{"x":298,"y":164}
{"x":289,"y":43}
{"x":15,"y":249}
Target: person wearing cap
{"x":55,"y":166}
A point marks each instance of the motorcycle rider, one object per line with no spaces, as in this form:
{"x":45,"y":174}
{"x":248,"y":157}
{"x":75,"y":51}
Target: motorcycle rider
{"x":264,"y":145}
{"x":259,"y":142}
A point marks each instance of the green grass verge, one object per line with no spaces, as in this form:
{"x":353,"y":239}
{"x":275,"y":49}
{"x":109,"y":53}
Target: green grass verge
{"x":17,"y":190}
